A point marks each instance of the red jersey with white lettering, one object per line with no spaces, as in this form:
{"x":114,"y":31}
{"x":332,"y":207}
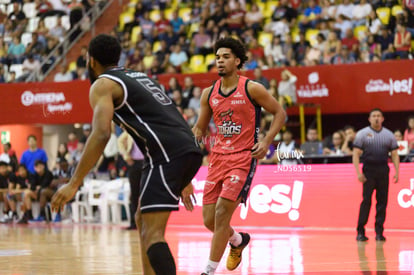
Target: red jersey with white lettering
{"x":236,"y":116}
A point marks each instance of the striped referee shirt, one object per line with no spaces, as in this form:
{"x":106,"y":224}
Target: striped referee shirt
{"x":375,"y":145}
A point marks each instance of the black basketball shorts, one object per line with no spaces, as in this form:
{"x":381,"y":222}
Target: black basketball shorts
{"x":162,"y":184}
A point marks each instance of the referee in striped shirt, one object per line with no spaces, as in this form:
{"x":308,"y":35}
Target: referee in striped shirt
{"x":372,"y":144}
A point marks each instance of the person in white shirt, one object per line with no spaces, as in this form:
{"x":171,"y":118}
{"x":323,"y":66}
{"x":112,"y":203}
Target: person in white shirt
{"x":360,"y":13}
{"x":346,"y":9}
{"x":63,"y":75}
{"x":287,"y":89}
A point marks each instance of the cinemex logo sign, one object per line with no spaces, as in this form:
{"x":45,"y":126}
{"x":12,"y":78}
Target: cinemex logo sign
{"x":52,"y":102}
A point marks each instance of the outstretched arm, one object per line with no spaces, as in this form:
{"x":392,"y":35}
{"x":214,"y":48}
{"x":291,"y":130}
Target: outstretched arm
{"x":103,"y":109}
{"x":262,"y":97}
{"x":200,"y":128}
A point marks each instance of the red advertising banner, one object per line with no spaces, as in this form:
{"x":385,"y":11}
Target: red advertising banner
{"x":46,"y":103}
{"x":324,"y":195}
{"x":339,"y":89}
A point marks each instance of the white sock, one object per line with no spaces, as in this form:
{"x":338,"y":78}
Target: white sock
{"x":211,"y":267}
{"x":236,"y":239}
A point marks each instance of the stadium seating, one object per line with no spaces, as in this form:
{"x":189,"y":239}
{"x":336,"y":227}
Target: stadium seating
{"x":384,"y":14}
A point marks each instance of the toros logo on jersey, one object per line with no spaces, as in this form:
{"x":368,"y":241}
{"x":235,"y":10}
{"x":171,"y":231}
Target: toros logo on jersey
{"x":228,"y":127}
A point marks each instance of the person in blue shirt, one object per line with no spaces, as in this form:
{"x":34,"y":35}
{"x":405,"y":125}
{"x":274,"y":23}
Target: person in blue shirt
{"x":32,"y":154}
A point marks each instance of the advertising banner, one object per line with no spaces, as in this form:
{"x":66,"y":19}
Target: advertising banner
{"x":324,"y":195}
{"x":339,"y":89}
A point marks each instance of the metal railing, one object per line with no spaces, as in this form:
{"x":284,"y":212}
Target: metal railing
{"x":60,"y":50}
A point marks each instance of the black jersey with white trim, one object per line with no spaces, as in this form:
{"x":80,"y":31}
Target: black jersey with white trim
{"x":151,"y":117}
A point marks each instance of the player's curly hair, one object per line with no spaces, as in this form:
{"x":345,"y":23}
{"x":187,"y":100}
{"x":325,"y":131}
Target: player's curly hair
{"x":236,"y":47}
{"x":105,"y":49}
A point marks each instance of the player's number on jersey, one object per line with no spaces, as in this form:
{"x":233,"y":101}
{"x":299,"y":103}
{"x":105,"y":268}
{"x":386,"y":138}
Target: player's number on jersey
{"x":156,"y":92}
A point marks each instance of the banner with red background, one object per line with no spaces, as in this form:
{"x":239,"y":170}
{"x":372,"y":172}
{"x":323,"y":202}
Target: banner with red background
{"x":339,"y":89}
{"x":324,"y":195}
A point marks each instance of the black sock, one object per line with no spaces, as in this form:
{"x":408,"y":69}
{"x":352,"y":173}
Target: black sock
{"x":161,"y":259}
{"x":28,"y":214}
{"x":42,"y":213}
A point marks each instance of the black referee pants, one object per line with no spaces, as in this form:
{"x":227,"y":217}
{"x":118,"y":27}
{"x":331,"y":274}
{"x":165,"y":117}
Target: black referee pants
{"x":377,"y":179}
{"x":134,"y":177}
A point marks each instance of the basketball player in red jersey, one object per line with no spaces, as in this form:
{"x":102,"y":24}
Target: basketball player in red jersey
{"x":235,"y":104}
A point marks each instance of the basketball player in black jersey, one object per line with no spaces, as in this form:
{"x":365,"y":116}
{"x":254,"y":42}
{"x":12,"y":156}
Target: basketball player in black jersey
{"x":172,"y":157}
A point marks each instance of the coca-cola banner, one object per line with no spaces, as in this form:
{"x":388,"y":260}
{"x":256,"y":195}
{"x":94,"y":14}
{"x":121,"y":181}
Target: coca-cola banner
{"x":319,"y":195}
{"x":48,"y":103}
{"x":339,"y":89}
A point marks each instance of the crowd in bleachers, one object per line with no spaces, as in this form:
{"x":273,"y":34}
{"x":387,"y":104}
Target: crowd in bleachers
{"x":31,"y":30}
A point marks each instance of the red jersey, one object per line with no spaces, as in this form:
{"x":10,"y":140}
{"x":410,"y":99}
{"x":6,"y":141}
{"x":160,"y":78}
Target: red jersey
{"x":236,"y":117}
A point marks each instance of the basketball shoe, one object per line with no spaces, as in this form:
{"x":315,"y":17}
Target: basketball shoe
{"x":235,"y":255}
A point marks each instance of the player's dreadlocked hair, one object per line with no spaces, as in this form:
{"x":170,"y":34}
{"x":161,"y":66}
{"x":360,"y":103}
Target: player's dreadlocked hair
{"x":236,"y":47}
{"x":105,"y":49}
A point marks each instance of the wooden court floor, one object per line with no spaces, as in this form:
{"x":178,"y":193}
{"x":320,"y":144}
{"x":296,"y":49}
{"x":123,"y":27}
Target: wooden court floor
{"x":99,"y":249}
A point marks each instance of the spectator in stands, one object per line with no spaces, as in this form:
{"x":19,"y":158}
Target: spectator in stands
{"x":61,"y":176}
{"x":59,"y":8}
{"x":170,"y":37}
{"x":39,"y":188}
{"x":201,"y":42}
{"x":409,"y":19}
{"x":58,"y":31}
{"x":235,"y":19}
{"x":86,"y":131}
{"x":351,"y":42}
{"x":191,"y":116}
{"x":256,"y":49}
{"x":254,"y":18}
{"x":72,"y":142}
{"x":328,"y":10}
{"x":161,"y":26}
{"x":178,"y":57}
{"x":287,"y":89}
{"x":12,"y":77}
{"x":30,"y":66}
{"x":134,"y":59}
{"x":194,"y":102}
{"x":346,"y":9}
{"x":409,"y":133}
{"x":172,"y":86}
{"x":138,"y":13}
{"x":344,"y":57}
{"x":301,"y":48}
{"x":312,"y":15}
{"x":279,"y":28}
{"x":348,"y":144}
{"x":31,"y":155}
{"x":258,"y":77}
{"x":402,"y":42}
{"x":81,"y":60}
{"x":251,"y":62}
{"x":52,"y":42}
{"x":178,"y":99}
{"x":3,"y":51}
{"x":336,"y":146}
{"x":148,"y":58}
{"x":188,"y":88}
{"x":108,"y":158}
{"x":342,"y":25}
{"x":36,"y":47}
{"x":16,"y":51}
{"x":9,"y":156}
{"x":333,"y":47}
{"x":360,"y":12}
{"x":386,"y":41}
{"x":147,"y":27}
{"x":283,"y":10}
{"x":288,"y":149}
{"x":18,"y":184}
{"x":4,"y":185}
{"x":64,"y":74}
{"x":177,"y":23}
{"x":18,"y":19}
{"x":76,"y":155}
{"x":398,"y":135}
{"x":274,"y":50}
{"x":43,"y":8}
{"x":312,"y":146}
{"x":62,"y":153}
{"x":373,"y":23}
{"x":163,"y":55}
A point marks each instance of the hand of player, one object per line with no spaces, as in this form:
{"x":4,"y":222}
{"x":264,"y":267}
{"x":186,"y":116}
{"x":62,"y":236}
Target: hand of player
{"x":187,"y":195}
{"x":63,"y":195}
{"x":259,"y":150}
{"x":362,"y":178}
{"x":396,"y":178}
